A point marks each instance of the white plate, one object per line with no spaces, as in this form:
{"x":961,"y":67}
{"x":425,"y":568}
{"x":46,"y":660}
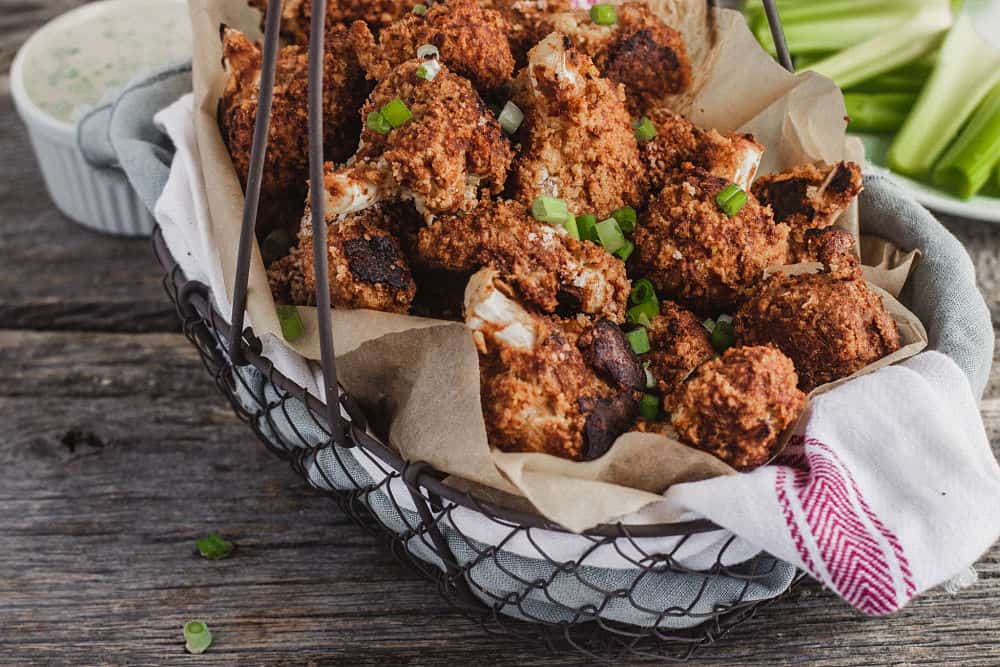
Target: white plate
{"x":979,"y":207}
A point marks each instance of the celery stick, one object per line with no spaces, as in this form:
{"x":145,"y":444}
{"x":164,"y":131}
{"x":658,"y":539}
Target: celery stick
{"x":909,"y":78}
{"x":997,"y":179}
{"x":967,"y":164}
{"x":905,"y":42}
{"x":878,"y":112}
{"x":967,"y":68}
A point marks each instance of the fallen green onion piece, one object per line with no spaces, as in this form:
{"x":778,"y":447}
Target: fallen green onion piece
{"x":644,"y":129}
{"x":626,"y":218}
{"x":587,"y":225}
{"x":396,"y":113}
{"x":642,"y":292}
{"x":731,"y":199}
{"x":647,"y":310}
{"x":649,"y":407}
{"x":638,"y":339}
{"x":723,"y":335}
{"x":275,"y":245}
{"x":510,"y":117}
{"x":291,"y":323}
{"x":604,"y":14}
{"x":571,"y":228}
{"x":610,"y":235}
{"x":429,"y":69}
{"x":550,"y":210}
{"x":214,"y":547}
{"x":376,"y":122}
{"x":878,"y":112}
{"x":419,"y":9}
{"x":197,"y":636}
{"x":967,"y":165}
{"x":625,"y":251}
{"x":425,"y":51}
{"x":709,"y":325}
{"x":650,"y":379}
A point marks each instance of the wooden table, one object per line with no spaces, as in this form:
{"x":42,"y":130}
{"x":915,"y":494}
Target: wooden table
{"x":118,"y":452}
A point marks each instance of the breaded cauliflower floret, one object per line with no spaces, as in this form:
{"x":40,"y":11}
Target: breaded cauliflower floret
{"x":809,"y":197}
{"x":549,"y":269}
{"x":830,"y":323}
{"x":472,"y":42}
{"x":639,"y":51}
{"x":697,"y":255}
{"x":538,"y":391}
{"x":679,"y":143}
{"x":367,"y":267}
{"x":527,"y":19}
{"x":678,"y":344}
{"x":297,"y":14}
{"x":736,"y":406}
{"x":286,"y":165}
{"x":577,"y":141}
{"x":443,"y":158}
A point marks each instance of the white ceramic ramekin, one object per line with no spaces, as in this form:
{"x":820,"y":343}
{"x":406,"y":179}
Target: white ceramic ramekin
{"x":98,"y":198}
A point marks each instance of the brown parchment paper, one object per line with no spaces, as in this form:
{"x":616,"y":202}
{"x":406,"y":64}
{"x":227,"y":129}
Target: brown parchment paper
{"x":420,"y":377}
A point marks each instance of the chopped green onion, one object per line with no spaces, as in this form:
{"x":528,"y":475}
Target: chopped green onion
{"x":649,"y":407}
{"x":197,"y":636}
{"x":644,"y":129}
{"x":638,"y":339}
{"x":650,"y":379}
{"x":625,"y":217}
{"x":610,"y":235}
{"x":275,"y":245}
{"x":709,"y":325}
{"x":625,"y":251}
{"x":642,"y":292}
{"x":419,"y":9}
{"x":723,"y":335}
{"x":510,"y":117}
{"x":429,"y":70}
{"x":214,"y":547}
{"x":571,"y":227}
{"x":587,"y":224}
{"x":396,"y":113}
{"x":291,"y":323}
{"x":425,"y":51}
{"x":604,"y":14}
{"x":377,"y":123}
{"x":550,"y":210}
{"x":731,"y":199}
{"x":642,"y":313}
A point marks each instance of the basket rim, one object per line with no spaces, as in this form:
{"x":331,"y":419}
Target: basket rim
{"x":426,"y":476}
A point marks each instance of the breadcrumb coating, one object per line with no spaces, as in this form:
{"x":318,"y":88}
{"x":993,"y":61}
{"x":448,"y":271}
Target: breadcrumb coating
{"x":296,"y":15}
{"x":639,"y":51}
{"x":527,"y":19}
{"x":678,"y":344}
{"x":577,"y":143}
{"x":471,"y":41}
{"x":831,"y":324}
{"x":697,"y":255}
{"x":735,"y":407}
{"x":809,"y":197}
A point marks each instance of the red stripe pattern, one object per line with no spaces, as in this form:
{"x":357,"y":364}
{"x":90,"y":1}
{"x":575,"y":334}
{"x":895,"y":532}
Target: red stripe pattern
{"x":840,"y":540}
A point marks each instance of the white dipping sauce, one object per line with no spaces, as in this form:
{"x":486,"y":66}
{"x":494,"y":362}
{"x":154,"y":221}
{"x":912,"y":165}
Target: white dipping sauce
{"x":84,"y":62}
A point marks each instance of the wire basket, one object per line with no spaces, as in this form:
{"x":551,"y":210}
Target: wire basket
{"x":504,"y":569}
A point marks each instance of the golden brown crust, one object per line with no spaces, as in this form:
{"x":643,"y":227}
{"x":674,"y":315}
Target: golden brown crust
{"x":577,"y":141}
{"x":736,"y":406}
{"x":297,"y":14}
{"x":809,"y":197}
{"x":694,"y":253}
{"x":678,"y":344}
{"x":528,"y":22}
{"x":472,"y":42}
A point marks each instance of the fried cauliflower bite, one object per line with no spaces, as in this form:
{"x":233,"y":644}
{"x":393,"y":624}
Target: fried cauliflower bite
{"x":286,"y":164}
{"x":527,"y":20}
{"x":367,"y":267}
{"x":697,"y":255}
{"x":539,"y":391}
{"x":736,"y":406}
{"x":679,"y":142}
{"x":297,"y":14}
{"x":639,"y":51}
{"x":809,"y":197}
{"x":577,"y":141}
{"x":549,"y":269}
{"x":449,"y":153}
{"x":831,"y":324}
{"x":471,"y":41}
{"x":678,"y":344}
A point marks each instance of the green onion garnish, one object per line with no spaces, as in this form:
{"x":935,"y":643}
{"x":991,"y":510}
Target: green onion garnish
{"x":709,"y":325}
{"x":625,"y":217}
{"x":291,"y":323}
{"x":639,"y":340}
{"x":429,"y":69}
{"x":731,"y":199}
{"x":197,"y":636}
{"x":425,"y":51}
{"x":571,"y":227}
{"x":625,"y":251}
{"x":604,"y":14}
{"x":642,"y":292}
{"x":419,"y":9}
{"x":377,"y":123}
{"x":649,"y":407}
{"x":396,"y":113}
{"x":214,"y":547}
{"x":642,"y":313}
{"x":510,"y":117}
{"x":550,"y":210}
{"x":644,"y":129}
{"x":650,"y":380}
{"x":723,"y":335}
{"x":587,"y":224}
{"x":610,"y":235}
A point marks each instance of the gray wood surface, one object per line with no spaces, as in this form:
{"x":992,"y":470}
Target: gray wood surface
{"x":118,"y":452}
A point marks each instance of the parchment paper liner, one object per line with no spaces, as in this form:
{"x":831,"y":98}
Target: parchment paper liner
{"x":421,"y":375}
